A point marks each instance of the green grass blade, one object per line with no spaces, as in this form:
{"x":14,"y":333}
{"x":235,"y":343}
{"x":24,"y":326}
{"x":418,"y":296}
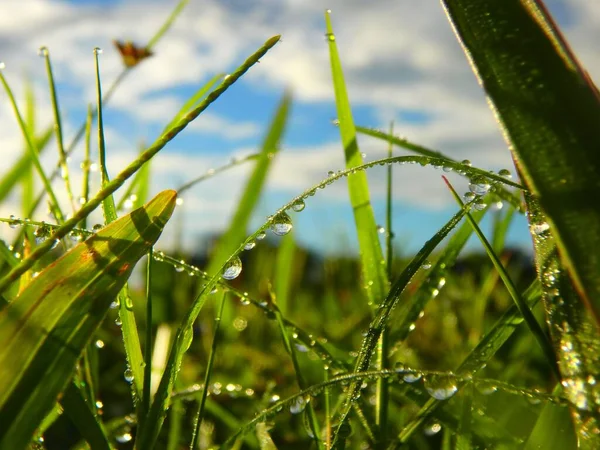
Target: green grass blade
{"x":383,"y":313}
{"x":118,"y":181}
{"x":83,"y":416}
{"x":87,"y":164}
{"x":58,"y":126}
{"x":401,"y":142}
{"x":131,"y":340}
{"x":372,"y":261}
{"x":44,"y":330}
{"x":194,"y":99}
{"x":33,"y":152}
{"x":530,"y":319}
{"x":168,"y":23}
{"x":284,"y":271}
{"x":549,"y":111}
{"x":312,"y":416}
{"x":209,"y":367}
{"x":574,"y":334}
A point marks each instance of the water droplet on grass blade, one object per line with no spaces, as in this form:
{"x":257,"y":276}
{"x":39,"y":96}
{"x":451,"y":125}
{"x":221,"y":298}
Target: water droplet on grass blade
{"x":479,"y":205}
{"x":298,"y":405}
{"x":260,"y":236}
{"x":479,"y":186}
{"x":466,"y":162}
{"x":505,"y":173}
{"x":13,"y":224}
{"x":330,"y":37}
{"x":128,"y":375}
{"x":298,"y":205}
{"x":539,"y":228}
{"x":43,"y":51}
{"x":249,"y":245}
{"x":440,"y":387}
{"x":426,"y":264}
{"x":282,"y":224}
{"x":232,"y":269}
{"x":97,"y":51}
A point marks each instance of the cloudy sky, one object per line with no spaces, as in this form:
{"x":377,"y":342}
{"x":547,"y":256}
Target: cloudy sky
{"x":400,"y":57}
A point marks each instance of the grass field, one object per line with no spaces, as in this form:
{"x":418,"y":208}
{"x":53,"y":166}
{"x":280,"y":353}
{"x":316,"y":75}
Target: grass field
{"x":263,"y":344}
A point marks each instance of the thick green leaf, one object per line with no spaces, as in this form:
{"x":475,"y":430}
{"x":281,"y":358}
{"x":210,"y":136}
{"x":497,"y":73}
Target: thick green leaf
{"x":549,"y":110}
{"x":574,"y":335}
{"x":45,"y":329}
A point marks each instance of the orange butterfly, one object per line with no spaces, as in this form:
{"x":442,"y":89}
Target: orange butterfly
{"x":131,"y":54}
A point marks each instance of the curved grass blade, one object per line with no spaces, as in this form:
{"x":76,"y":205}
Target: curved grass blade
{"x":575,"y":336}
{"x":382,"y":315}
{"x":44,"y":330}
{"x":549,"y":111}
{"x":532,"y":323}
{"x":118,"y":181}
{"x":372,"y":262}
{"x":502,"y":192}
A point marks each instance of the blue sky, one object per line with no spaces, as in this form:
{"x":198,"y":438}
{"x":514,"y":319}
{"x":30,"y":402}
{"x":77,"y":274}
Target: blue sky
{"x":400,"y":57}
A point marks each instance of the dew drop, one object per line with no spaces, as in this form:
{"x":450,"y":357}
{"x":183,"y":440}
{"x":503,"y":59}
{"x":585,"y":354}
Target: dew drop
{"x":260,"y":236}
{"x":298,"y":205}
{"x":330,"y":37}
{"x":440,"y":387}
{"x":179,"y":201}
{"x":123,"y":437}
{"x":412,"y":377}
{"x":447,"y":169}
{"x":505,"y":173}
{"x":469,"y":196}
{"x":245,"y":300}
{"x":118,"y":321}
{"x":426,"y":264}
{"x":380,"y":229}
{"x":97,"y":51}
{"x":466,"y":162}
{"x":97,"y":227}
{"x":99,"y":343}
{"x":298,"y":405}
{"x":479,"y":186}
{"x":479,"y":205}
{"x":432,"y":429}
{"x":2,"y":65}
{"x":282,"y":224}
{"x":43,"y":51}
{"x":128,"y":375}
{"x":13,"y":224}
{"x":249,"y":245}
{"x":330,"y":173}
{"x":539,"y":228}
{"x":232,"y":269}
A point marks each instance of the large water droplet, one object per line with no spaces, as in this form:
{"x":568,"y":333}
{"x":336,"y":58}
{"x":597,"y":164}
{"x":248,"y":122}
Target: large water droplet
{"x":505,"y":173}
{"x":539,"y":228}
{"x":249,"y":245}
{"x":479,"y":205}
{"x":441,"y":387}
{"x":479,"y":186}
{"x":298,"y":405}
{"x":128,"y":375}
{"x":282,"y":224}
{"x":260,"y":236}
{"x":232,"y":269}
{"x":466,"y":162}
{"x":298,"y":205}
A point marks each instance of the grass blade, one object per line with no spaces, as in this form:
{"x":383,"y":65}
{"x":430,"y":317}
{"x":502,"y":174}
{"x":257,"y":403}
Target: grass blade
{"x":383,"y":313}
{"x":532,"y":323}
{"x":42,"y":340}
{"x":574,"y":335}
{"x":372,"y":262}
{"x":549,"y":111}
{"x":502,"y":192}
{"x":83,"y":416}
